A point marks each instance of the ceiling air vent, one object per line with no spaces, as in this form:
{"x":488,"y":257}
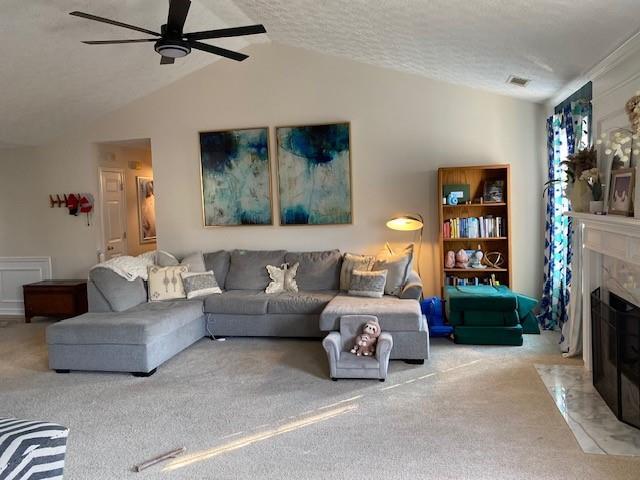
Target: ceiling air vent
{"x":518,"y":81}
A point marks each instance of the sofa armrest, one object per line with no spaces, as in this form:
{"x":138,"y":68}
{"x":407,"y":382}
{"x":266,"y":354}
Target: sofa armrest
{"x":119,"y":293}
{"x":95,"y":299}
{"x":385,"y":343}
{"x":383,"y":352}
{"x":413,"y":287}
{"x":332,"y":344}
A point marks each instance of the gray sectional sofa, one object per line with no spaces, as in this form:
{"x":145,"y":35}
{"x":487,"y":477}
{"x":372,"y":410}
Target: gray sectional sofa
{"x":123,"y":332}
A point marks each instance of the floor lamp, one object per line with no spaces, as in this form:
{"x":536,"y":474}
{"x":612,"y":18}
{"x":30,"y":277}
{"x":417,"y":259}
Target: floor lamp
{"x":409,"y":223}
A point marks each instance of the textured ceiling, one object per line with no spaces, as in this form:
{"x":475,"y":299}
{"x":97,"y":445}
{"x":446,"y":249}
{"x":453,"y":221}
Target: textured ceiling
{"x":50,"y":82}
{"x":478,"y":43}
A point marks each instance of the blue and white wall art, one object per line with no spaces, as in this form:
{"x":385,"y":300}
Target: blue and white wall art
{"x":314,"y":172}
{"x":236,"y":179}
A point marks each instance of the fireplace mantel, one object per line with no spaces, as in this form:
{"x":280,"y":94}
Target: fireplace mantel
{"x":596,"y":236}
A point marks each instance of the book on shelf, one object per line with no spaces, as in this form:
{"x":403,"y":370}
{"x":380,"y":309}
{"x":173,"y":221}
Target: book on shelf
{"x":474,"y":227}
{"x":453,"y":281}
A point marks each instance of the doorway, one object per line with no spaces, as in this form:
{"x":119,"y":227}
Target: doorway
{"x":127,"y":198}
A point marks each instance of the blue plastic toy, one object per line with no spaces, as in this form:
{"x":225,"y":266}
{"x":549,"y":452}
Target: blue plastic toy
{"x":432,"y":308}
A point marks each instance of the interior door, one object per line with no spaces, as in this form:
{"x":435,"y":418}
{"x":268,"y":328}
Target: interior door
{"x":113,"y":212}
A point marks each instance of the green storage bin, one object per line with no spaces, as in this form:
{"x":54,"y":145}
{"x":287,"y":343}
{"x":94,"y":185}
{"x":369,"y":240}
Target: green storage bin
{"x":511,"y":336}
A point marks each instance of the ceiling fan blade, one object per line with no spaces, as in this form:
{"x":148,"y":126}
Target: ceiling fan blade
{"x":113,"y":22}
{"x":167,"y":60}
{"x":113,"y":42}
{"x":227,"y":32}
{"x":178,"y":10}
{"x":223,"y":52}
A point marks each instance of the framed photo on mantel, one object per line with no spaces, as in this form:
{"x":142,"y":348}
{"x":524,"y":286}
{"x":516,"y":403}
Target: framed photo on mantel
{"x":621,"y":191}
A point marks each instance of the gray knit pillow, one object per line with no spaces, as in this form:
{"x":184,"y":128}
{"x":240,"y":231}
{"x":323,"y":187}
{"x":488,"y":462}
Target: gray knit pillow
{"x":198,"y":284}
{"x":351,"y":262}
{"x":368,"y":284}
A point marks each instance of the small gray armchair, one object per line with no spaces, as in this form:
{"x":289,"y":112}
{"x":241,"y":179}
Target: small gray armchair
{"x":343,"y":363}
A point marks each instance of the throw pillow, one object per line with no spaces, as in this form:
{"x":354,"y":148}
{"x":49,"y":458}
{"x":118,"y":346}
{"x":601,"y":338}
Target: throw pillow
{"x":283,"y":278}
{"x":398,"y":266}
{"x":198,"y":284}
{"x":353,"y":262}
{"x":368,"y":283}
{"x":165,"y":283}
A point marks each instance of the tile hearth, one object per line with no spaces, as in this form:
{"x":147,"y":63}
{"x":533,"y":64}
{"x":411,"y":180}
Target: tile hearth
{"x":595,"y":427}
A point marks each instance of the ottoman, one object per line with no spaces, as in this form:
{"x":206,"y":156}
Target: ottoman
{"x":483,"y":315}
{"x":401,"y":318}
{"x":31,"y":449}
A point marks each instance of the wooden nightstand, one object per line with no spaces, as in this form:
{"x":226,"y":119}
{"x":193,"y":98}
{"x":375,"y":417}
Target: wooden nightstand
{"x":55,"y":298}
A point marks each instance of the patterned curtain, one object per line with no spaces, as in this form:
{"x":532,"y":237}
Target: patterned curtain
{"x":567,"y":133}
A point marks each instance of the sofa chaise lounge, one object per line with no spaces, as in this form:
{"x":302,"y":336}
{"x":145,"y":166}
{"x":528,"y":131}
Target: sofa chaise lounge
{"x":124,"y":332}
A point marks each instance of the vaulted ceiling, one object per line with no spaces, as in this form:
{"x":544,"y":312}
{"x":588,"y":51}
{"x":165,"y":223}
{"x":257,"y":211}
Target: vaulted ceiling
{"x":51,"y":82}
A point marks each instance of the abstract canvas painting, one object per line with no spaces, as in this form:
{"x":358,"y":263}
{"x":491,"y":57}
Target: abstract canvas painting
{"x":236,"y":180}
{"x":314,"y":173}
{"x":146,"y":209}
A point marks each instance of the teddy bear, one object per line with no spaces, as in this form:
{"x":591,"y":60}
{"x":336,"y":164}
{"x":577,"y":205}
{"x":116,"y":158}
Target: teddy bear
{"x":633,"y":111}
{"x":462,"y":259}
{"x":366,"y":342}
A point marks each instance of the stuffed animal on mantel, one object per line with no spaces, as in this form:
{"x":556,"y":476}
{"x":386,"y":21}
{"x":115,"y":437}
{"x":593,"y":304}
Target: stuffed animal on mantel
{"x":367,"y":340}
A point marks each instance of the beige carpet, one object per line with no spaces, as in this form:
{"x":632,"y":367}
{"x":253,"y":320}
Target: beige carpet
{"x":257,"y":408}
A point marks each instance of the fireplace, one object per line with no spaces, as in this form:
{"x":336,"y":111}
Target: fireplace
{"x":615,"y":333}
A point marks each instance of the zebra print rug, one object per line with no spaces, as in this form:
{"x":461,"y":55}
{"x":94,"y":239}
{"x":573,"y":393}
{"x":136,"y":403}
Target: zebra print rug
{"x":31,"y":450}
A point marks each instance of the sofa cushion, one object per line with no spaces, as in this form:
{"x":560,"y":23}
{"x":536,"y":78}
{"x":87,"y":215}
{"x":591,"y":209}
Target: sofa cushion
{"x":394,"y":314}
{"x":195,"y":262}
{"x":248,"y":268}
{"x":120,"y":293}
{"x":317,"y":270}
{"x":237,"y":302}
{"x":302,"y":302}
{"x":219,"y":263}
{"x":137,"y":326}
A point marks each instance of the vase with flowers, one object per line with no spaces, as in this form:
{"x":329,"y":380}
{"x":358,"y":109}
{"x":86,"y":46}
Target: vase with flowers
{"x":591,"y":178}
{"x":577,"y":190}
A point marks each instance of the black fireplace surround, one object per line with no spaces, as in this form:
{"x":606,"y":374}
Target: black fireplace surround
{"x":615,"y":328}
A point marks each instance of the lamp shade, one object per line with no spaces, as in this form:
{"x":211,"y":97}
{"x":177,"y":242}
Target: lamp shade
{"x":406,"y":223}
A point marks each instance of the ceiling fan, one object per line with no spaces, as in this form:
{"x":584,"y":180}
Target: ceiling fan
{"x":172,"y":42}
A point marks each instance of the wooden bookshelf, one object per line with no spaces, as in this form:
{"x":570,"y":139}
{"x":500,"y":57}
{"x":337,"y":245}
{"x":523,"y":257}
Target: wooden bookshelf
{"x":475,"y":176}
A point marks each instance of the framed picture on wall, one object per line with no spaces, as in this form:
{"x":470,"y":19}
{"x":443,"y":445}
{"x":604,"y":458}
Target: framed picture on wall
{"x":621,"y":191}
{"x":146,"y":209}
{"x":235,"y":174}
{"x":314,"y":174}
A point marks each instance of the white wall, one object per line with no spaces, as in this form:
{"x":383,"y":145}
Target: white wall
{"x":403,"y":127}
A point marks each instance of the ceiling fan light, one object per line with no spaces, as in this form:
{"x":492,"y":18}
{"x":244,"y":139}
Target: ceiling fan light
{"x":172,"y":49}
